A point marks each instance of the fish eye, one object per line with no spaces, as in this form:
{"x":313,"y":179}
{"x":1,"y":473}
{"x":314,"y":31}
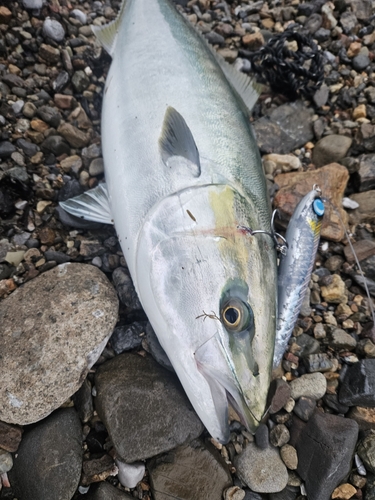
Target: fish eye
{"x":318,"y":207}
{"x":236,"y":315}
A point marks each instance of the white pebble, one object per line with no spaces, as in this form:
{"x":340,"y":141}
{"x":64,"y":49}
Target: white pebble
{"x":129,"y":475}
{"x":83,"y":489}
{"x":78,"y":14}
{"x":348,"y":203}
{"x":33,"y":4}
{"x":53,"y":29}
{"x":17,"y":106}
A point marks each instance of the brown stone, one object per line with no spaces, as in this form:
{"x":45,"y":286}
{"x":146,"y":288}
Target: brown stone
{"x":195,"y":471}
{"x":98,"y":469}
{"x":75,"y":137}
{"x":5,"y":15}
{"x":366,"y":210}
{"x":47,"y":236}
{"x":49,"y":53}
{"x":64,"y":101}
{"x":53,"y":329}
{"x":10,"y":437}
{"x":363,"y":249}
{"x":253,"y":41}
{"x":365,"y":417}
{"x":332,"y":179}
{"x":39,"y":125}
{"x":344,"y":492}
{"x":335,"y":292}
{"x":354,"y":49}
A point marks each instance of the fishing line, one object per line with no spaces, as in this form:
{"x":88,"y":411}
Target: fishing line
{"x":370,"y":302}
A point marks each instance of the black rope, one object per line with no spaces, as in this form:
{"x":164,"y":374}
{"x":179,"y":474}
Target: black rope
{"x":292,"y":73}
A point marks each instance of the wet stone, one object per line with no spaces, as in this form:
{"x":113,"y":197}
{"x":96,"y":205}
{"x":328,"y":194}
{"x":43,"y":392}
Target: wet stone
{"x":308,"y":345}
{"x":279,"y":394}
{"x":366,"y":451}
{"x":262,"y":471}
{"x":358,"y":384}
{"x":83,"y":401}
{"x":331,"y":149}
{"x":105,"y":491}
{"x":304,"y":408}
{"x":123,"y":384}
{"x":312,"y":385}
{"x":287,"y":128}
{"x":125,"y":289}
{"x":56,"y":442}
{"x":365,"y":417}
{"x":50,"y":308}
{"x":279,"y":435}
{"x":194,"y":470}
{"x":127,"y":337}
{"x":325,"y":449}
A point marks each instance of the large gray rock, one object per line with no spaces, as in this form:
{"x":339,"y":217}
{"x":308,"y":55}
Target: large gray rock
{"x":331,"y":148}
{"x":48,"y":463}
{"x":189,"y":472}
{"x":325,"y":450}
{"x":358,"y":384}
{"x":105,"y":491}
{"x":143,"y":407}
{"x":365,"y":177}
{"x":261,"y":469}
{"x":288,"y":127}
{"x":53,"y":328}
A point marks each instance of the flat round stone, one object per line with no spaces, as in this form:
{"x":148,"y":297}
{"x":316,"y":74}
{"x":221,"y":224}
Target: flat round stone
{"x":53,"y":329}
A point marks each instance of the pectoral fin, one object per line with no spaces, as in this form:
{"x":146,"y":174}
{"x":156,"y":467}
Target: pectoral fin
{"x":92,"y":205}
{"x":176,"y":140}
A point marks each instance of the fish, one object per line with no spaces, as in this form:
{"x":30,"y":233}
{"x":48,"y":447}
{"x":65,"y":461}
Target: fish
{"x":296,"y":265}
{"x":184,"y":180}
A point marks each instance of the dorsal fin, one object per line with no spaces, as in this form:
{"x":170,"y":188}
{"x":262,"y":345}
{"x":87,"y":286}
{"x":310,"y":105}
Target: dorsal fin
{"x":246,"y":88}
{"x":107,"y":34}
{"x":176,"y":139}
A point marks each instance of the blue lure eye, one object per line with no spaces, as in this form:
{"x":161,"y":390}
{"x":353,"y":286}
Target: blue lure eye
{"x":318,"y":207}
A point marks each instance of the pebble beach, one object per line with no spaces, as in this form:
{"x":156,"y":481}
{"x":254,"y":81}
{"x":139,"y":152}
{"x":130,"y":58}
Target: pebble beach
{"x":90,"y":407}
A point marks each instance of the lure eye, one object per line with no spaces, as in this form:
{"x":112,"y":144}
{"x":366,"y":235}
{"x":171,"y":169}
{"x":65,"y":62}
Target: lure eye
{"x":236,"y":315}
{"x":318,"y":207}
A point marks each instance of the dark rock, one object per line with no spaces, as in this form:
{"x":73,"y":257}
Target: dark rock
{"x":325,"y":449}
{"x":80,"y":81}
{"x":60,"y":82}
{"x":317,"y":363}
{"x":6,"y":149}
{"x":308,"y":345}
{"x":348,"y":21}
{"x":214,"y":38}
{"x":49,"y":115}
{"x":289,"y":493}
{"x":10,"y":437}
{"x":143,"y":407}
{"x":18,"y":174}
{"x":58,"y":257}
{"x":360,"y":62}
{"x":365,"y":177}
{"x":368,"y":267}
{"x":279,"y":435}
{"x":105,"y":491}
{"x":27,"y":147}
{"x":156,"y":349}
{"x":278,"y":395}
{"x":127,"y":337}
{"x":332,"y":401}
{"x":304,"y":408}
{"x":322,"y":35}
{"x":70,"y":189}
{"x":83,"y":401}
{"x":262,"y":437}
{"x":288,"y":127}
{"x":358,"y":384}
{"x":125,"y":289}
{"x":366,"y":451}
{"x":207,"y":476}
{"x":49,"y":460}
{"x":313,"y":23}
{"x":12,"y":80}
{"x":55,"y":144}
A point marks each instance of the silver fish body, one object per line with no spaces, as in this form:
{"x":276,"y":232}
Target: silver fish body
{"x":183,"y":175}
{"x":302,"y":237}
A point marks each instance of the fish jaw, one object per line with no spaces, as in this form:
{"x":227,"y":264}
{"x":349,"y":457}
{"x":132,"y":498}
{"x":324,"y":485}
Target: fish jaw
{"x":191,"y":260}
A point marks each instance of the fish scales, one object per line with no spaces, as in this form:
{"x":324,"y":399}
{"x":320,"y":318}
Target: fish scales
{"x":183,"y":175}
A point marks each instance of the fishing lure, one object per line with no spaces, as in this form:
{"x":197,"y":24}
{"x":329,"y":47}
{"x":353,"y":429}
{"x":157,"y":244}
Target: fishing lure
{"x":296,"y":264}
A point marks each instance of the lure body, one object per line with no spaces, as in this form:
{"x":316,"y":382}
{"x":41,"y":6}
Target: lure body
{"x":302,"y":237}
